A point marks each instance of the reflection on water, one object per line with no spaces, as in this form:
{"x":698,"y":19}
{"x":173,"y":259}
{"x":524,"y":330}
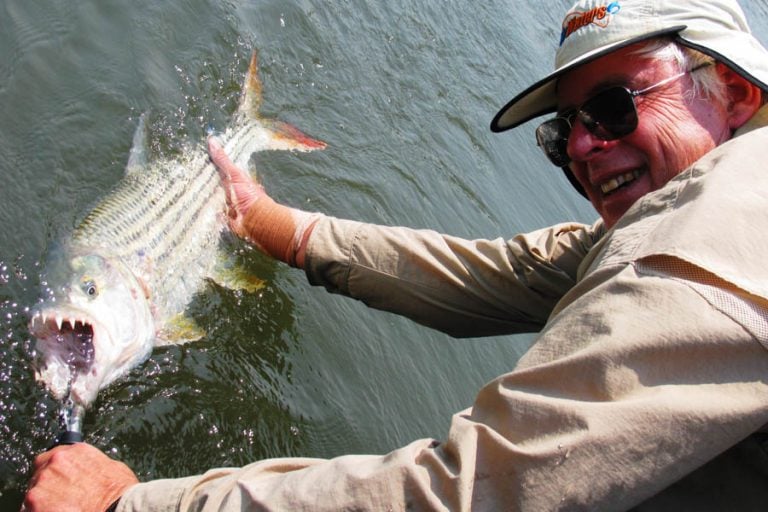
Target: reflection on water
{"x":214,"y":402}
{"x":402,"y":91}
{"x":27,"y":415}
{"x":217,"y":402}
{"x":240,"y":367}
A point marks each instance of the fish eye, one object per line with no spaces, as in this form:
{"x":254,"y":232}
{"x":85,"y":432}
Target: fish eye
{"x":90,"y":289}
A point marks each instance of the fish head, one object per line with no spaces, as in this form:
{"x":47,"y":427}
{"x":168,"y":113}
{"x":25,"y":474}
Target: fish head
{"x":93,"y":325}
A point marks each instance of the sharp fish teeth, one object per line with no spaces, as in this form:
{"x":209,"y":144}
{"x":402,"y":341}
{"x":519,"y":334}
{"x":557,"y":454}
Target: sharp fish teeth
{"x":59,"y":321}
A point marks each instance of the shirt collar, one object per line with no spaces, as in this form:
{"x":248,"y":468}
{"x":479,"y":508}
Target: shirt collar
{"x":758,"y":120}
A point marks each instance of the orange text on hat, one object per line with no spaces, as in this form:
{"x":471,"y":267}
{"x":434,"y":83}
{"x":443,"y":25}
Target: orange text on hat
{"x":598,"y":15}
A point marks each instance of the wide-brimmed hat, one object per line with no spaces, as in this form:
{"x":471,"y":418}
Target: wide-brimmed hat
{"x":592,"y":29}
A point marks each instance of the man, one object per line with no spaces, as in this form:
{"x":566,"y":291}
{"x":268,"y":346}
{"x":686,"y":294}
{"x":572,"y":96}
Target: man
{"x":648,"y":385}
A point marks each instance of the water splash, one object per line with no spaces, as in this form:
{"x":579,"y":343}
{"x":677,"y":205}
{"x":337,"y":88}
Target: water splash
{"x":27,"y":414}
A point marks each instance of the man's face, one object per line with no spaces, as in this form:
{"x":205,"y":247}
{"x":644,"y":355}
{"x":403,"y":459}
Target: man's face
{"x":674,"y":130}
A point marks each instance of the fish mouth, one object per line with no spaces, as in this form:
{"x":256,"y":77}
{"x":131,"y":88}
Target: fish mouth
{"x":66,"y":338}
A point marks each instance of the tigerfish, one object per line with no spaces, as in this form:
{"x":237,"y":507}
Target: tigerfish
{"x":121,"y":283}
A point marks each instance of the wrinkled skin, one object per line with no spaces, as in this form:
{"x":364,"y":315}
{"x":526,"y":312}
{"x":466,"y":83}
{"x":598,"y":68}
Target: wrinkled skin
{"x":57,"y":484}
{"x":59,"y":476}
{"x":675,"y":127}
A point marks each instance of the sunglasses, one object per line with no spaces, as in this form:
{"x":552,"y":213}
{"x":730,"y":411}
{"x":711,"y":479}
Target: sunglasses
{"x":608,"y":115}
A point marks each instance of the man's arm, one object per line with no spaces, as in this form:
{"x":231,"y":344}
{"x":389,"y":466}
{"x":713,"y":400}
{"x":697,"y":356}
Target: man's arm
{"x":275,"y":229}
{"x":462,"y":287}
{"x":636,"y":384}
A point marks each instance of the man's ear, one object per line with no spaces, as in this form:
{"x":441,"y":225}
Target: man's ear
{"x":744,"y":97}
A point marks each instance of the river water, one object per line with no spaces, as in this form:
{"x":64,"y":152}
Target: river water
{"x":402,"y":91}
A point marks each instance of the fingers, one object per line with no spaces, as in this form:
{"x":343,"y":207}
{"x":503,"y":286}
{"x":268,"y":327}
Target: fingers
{"x":77,"y":477}
{"x":42,"y":459}
{"x":226,"y":167}
{"x":216,"y":151}
{"x":242,"y":189}
{"x":226,"y":170}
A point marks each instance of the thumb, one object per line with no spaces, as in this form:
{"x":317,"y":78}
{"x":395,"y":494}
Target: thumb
{"x":220,"y":158}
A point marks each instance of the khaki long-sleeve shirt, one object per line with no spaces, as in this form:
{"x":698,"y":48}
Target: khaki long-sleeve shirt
{"x":647,"y":386}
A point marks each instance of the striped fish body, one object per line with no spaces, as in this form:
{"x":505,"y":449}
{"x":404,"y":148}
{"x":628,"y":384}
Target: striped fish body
{"x":164,"y":223}
{"x":128,"y":272}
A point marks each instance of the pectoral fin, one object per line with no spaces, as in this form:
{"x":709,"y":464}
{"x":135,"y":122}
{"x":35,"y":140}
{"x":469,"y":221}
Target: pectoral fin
{"x":179,"y":329}
{"x":235,"y":277}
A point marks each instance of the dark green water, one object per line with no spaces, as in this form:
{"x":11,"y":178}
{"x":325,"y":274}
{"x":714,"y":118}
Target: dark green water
{"x":401,"y":91}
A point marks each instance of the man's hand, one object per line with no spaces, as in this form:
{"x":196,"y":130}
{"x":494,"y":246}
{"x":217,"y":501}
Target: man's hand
{"x":242,"y":190}
{"x":77,"y":477}
{"x":275,"y":229}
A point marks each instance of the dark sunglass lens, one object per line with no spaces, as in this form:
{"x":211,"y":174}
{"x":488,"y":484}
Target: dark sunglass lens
{"x":610,"y":114}
{"x":552,"y":137}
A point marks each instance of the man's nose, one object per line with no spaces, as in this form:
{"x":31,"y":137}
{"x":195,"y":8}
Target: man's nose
{"x":583,"y":145}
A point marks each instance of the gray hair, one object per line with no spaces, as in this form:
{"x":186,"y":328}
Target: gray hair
{"x":706,"y":82}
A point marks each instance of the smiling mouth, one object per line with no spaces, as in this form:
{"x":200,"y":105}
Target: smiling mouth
{"x":613,"y":184}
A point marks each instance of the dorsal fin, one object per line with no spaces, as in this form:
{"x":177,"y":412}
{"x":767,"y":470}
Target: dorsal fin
{"x":137,"y":157}
{"x":250,"y":100}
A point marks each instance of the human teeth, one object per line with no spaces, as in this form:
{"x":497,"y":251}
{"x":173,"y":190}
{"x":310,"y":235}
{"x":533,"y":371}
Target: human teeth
{"x":614,"y":183}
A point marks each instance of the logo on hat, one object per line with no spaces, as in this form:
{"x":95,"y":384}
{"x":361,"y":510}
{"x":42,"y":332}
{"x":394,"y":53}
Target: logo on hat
{"x":599,"y":16}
